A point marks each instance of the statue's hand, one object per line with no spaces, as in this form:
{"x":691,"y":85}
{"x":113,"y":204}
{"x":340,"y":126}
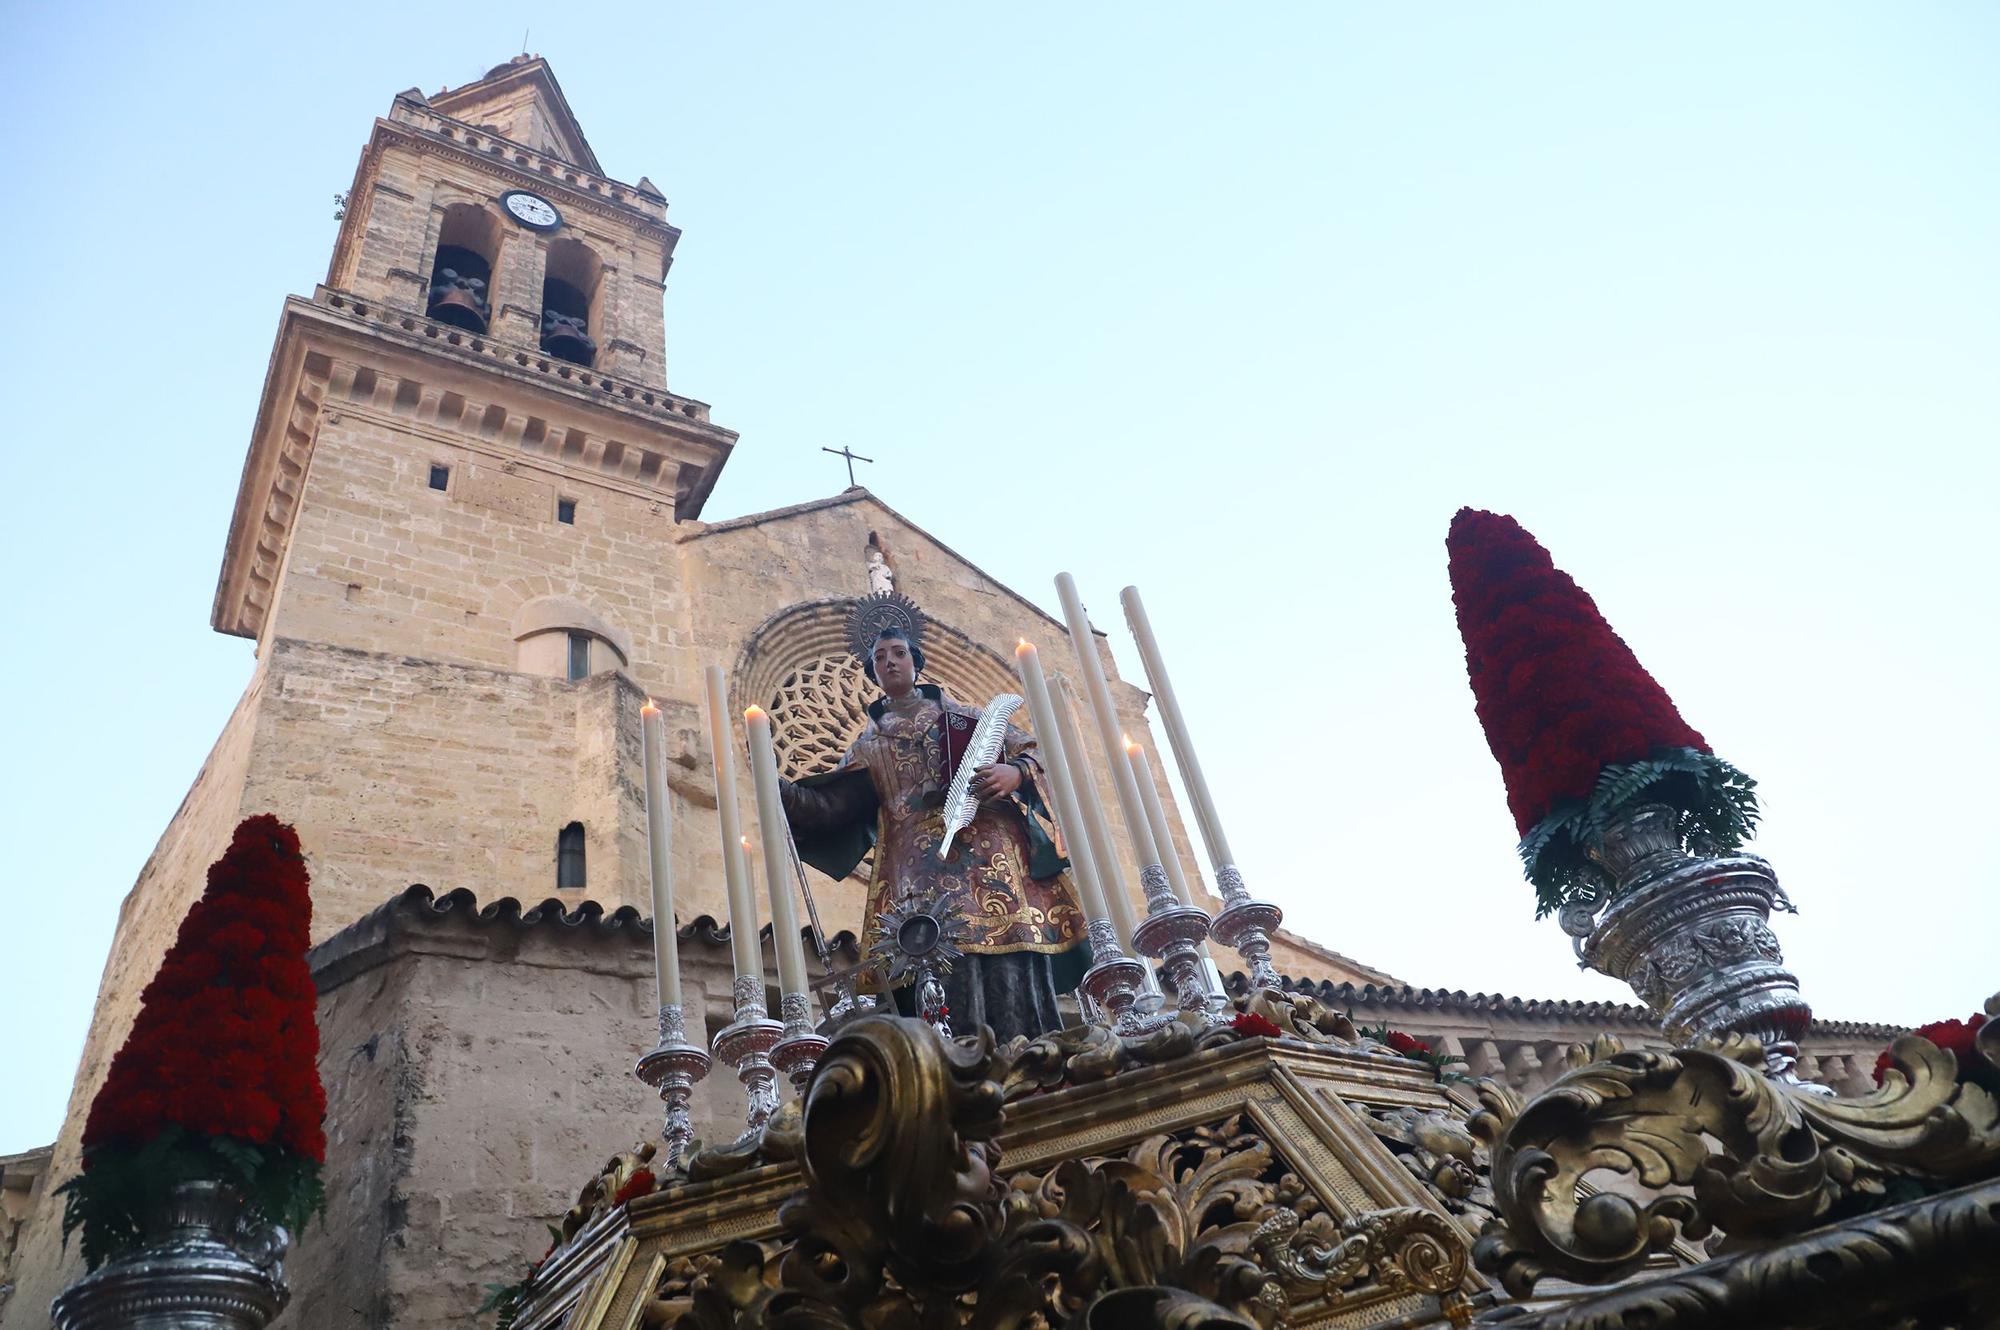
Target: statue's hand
{"x":996,"y":779}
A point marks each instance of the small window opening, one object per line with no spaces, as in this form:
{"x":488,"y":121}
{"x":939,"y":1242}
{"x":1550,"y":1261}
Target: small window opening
{"x":579,"y":656}
{"x":566,"y":511}
{"x":440,"y":476}
{"x":569,"y":857}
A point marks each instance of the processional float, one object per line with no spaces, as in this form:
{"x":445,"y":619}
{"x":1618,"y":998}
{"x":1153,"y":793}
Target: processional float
{"x":1452,"y":1202}
{"x":1251,"y":1160}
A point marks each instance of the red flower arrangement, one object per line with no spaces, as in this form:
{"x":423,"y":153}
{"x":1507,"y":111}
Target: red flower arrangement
{"x":1252,"y":1026}
{"x":1407,"y":1045}
{"x":1579,"y":728}
{"x":219,"y":1077}
{"x":641,"y":1183}
{"x":1960,"y":1039}
{"x":1415,"y":1049}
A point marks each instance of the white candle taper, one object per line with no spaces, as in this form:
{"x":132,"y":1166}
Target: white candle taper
{"x":1103,"y":849}
{"x":1156,"y":818}
{"x":785,"y":937}
{"x":745,"y":954}
{"x":1097,"y":691}
{"x":666,"y":951}
{"x":1055,"y":765}
{"x":1199,"y":799}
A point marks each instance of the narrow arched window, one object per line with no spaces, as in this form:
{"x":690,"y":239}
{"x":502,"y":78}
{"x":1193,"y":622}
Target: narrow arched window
{"x":569,"y":857}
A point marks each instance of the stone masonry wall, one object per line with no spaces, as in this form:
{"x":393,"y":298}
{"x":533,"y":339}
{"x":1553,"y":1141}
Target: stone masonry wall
{"x":382,"y":563}
{"x":479,"y":1073}
{"x":399,"y":769}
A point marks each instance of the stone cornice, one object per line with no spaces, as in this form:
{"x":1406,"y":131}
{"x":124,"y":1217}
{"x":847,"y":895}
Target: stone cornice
{"x":1405,"y":998}
{"x":363,"y":944}
{"x":419,"y":905}
{"x":416,"y":126}
{"x":523,"y":69}
{"x":862,"y":494}
{"x":341,"y":349}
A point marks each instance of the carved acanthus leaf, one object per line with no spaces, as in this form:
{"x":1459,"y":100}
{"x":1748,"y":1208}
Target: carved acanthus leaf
{"x":1715,"y":1143}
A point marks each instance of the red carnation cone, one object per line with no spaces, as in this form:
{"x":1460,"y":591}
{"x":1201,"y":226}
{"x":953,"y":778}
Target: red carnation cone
{"x":1560,"y":694}
{"x":219,"y":1076}
{"x":1580,"y":729}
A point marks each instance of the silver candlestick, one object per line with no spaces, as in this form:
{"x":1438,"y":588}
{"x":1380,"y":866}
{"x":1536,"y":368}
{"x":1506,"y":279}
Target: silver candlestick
{"x":672,"y":1068}
{"x":1245,"y":924}
{"x":746,"y":1043}
{"x":798,"y":1052}
{"x":1173,"y":933}
{"x":1114,"y":982}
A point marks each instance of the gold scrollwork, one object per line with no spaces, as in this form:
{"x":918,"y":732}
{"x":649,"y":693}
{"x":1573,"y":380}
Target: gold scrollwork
{"x":904,"y":1223}
{"x":1755,"y":1157}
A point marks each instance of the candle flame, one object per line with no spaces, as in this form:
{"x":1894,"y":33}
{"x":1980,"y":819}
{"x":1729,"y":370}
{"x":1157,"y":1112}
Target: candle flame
{"x":754,"y":714}
{"x":1024,"y":646}
{"x":746,"y":842}
{"x":649,"y":709}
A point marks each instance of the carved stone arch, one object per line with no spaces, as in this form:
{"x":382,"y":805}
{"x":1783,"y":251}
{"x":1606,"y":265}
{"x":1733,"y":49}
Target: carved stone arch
{"x":797,"y":666}
{"x":546,"y":614}
{"x":542,"y":626}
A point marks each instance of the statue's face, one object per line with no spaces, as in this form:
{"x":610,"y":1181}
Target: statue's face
{"x":894,"y":669}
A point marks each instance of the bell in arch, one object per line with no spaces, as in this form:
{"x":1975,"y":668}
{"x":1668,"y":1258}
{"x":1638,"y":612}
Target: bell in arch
{"x":458,"y":288}
{"x":566,"y":323}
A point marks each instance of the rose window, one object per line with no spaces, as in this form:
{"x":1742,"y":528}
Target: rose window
{"x":817,"y":712}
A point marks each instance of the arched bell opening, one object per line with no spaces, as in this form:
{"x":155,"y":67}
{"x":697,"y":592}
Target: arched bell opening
{"x":569,"y":297}
{"x":462,"y":273}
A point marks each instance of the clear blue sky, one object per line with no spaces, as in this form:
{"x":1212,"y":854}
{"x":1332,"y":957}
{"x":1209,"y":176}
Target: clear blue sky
{"x":1707,"y":296}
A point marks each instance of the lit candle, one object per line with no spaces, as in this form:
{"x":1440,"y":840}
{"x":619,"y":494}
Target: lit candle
{"x":666,"y":953}
{"x":1055,"y":765}
{"x":746,"y":955}
{"x":1102,"y":848}
{"x":1156,"y":818}
{"x":1097,"y":691}
{"x":785,"y":938}
{"x":1177,"y":733}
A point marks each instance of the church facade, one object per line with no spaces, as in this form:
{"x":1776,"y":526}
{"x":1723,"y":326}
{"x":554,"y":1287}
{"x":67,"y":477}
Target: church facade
{"x":470,"y":541}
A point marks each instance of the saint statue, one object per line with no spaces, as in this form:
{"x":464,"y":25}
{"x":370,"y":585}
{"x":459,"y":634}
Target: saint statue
{"x":1019,"y":925}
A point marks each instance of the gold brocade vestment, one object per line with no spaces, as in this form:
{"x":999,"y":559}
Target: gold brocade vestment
{"x":1004,"y":908}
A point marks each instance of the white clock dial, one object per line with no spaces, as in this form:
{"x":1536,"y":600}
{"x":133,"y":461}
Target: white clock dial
{"x":531,"y":209}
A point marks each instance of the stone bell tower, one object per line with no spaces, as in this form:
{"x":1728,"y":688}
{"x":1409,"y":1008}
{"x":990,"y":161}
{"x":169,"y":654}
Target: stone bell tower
{"x":466,"y":459}
{"x":453,"y":544}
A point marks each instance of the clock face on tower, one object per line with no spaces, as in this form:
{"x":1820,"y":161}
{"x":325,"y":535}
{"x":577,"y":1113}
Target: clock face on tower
{"x":531,"y":209}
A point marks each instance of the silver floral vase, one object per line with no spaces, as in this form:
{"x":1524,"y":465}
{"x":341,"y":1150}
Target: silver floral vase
{"x":208,"y":1264}
{"x":1692,"y":935}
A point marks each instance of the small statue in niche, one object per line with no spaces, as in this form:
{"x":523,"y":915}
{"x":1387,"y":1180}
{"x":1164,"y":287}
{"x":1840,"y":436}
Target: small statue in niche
{"x":881,"y":577}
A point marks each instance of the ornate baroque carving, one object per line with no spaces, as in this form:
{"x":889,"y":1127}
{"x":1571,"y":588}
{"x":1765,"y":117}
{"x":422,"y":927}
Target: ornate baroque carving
{"x":904,"y":1222}
{"x":1755,"y":1157}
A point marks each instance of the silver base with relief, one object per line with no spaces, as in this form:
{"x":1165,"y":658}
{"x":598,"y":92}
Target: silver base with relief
{"x":1692,"y":936}
{"x":745,"y":1043}
{"x":672,"y":1067}
{"x":798,"y":1052}
{"x":1245,"y":925}
{"x":209,"y":1263}
{"x":1173,"y":933}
